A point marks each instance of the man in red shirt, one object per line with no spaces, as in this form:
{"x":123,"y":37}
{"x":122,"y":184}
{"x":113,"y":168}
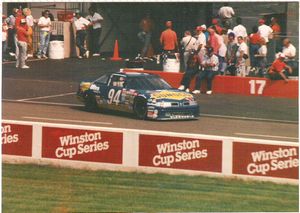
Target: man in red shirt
{"x":168,"y":39}
{"x":22,"y":37}
{"x":278,"y":69}
{"x":213,"y":41}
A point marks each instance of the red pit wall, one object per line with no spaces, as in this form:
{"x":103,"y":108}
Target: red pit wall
{"x":209,"y":153}
{"x":17,"y":139}
{"x":237,"y":85}
{"x":107,"y":148}
{"x":265,"y":160}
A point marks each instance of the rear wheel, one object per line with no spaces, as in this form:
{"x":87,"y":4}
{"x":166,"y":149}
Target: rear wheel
{"x":140,"y":108}
{"x":90,"y":103}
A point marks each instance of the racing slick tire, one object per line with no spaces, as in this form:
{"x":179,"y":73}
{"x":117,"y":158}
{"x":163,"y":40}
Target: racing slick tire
{"x":90,"y":103}
{"x":140,"y":108}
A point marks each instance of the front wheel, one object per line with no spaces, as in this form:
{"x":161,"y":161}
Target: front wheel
{"x":90,"y":103}
{"x":140,"y":108}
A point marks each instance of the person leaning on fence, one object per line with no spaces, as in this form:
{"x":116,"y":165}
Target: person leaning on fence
{"x":210,"y":66}
{"x":81,"y":25}
{"x":44,"y":24}
{"x":192,"y":68}
{"x":95,"y":31}
{"x":22,"y":36}
{"x":30,"y":24}
{"x":241,"y":57}
{"x":279,"y":70}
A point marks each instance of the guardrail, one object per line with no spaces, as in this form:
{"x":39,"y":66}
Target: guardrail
{"x":88,"y":147}
{"x":247,"y":86}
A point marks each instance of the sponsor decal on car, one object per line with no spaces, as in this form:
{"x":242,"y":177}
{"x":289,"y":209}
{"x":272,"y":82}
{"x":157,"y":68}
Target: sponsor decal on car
{"x":180,"y":153}
{"x":85,"y":145}
{"x":16,"y":139}
{"x":265,"y":160}
{"x":171,"y":95}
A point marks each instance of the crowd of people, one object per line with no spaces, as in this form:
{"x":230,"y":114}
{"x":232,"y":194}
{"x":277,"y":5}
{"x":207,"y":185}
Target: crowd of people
{"x":17,"y":34}
{"x":219,"y":49}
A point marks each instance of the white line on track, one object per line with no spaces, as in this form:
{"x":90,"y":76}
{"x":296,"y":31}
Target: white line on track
{"x":266,"y":136}
{"x":44,"y":103}
{"x":48,"y":96}
{"x":66,"y":120}
{"x":247,"y":118}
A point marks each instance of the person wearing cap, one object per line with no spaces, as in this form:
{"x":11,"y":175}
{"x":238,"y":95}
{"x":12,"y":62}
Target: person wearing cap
{"x":279,"y":70}
{"x":95,"y":31}
{"x":226,"y":13}
{"x":205,"y":32}
{"x":4,"y":38}
{"x":210,"y":65}
{"x":81,"y":25}
{"x":11,"y":37}
{"x":264,"y":30}
{"x":22,"y":37}
{"x":215,"y":24}
{"x":168,"y":39}
{"x":188,"y":44}
{"x":44,"y":24}
{"x":240,"y":30}
{"x":30,"y":23}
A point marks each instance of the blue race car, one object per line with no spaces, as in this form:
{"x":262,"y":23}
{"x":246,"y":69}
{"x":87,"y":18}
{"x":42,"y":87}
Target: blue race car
{"x":146,"y":95}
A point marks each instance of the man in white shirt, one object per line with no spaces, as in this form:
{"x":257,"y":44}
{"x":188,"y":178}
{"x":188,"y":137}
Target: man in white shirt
{"x":264,"y":30}
{"x":96,"y":19}
{"x":44,"y":24}
{"x":288,"y":49}
{"x":240,"y":30}
{"x":210,"y":65}
{"x":241,"y":56}
{"x":188,"y":43}
{"x":226,"y":13}
{"x":81,"y":25}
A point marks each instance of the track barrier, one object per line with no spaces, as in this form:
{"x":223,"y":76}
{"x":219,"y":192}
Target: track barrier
{"x":86,"y":147}
{"x":246,"y":86}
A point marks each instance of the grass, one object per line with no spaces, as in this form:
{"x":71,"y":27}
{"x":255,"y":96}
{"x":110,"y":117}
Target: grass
{"x":32,"y":188}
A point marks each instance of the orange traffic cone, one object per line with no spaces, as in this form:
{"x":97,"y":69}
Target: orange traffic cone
{"x":116,"y":52}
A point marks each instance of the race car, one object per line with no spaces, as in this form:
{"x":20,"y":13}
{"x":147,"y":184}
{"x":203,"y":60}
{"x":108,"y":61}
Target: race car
{"x":146,"y":95}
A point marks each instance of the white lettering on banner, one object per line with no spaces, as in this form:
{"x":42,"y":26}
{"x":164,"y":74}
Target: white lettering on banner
{"x":86,"y":143}
{"x":273,"y":161}
{"x":7,"y":136}
{"x":178,"y":152}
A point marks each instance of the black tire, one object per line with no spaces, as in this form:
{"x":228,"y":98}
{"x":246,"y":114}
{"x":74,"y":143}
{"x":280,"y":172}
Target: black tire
{"x":140,"y":108}
{"x":90,"y":103}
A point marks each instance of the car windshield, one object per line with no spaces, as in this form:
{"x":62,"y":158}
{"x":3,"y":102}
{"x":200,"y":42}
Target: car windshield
{"x":149,"y":82}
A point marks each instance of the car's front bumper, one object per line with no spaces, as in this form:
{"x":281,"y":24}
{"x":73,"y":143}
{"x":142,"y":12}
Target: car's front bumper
{"x":173,"y":113}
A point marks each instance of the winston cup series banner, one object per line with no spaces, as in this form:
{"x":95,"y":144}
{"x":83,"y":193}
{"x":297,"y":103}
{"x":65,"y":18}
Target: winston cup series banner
{"x":83,"y":145}
{"x":16,"y":139}
{"x":180,"y":153}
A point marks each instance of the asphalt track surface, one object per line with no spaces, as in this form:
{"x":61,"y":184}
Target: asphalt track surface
{"x":46,"y":93}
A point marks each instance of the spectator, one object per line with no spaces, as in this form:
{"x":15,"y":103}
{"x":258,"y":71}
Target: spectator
{"x":205,"y":32}
{"x":261,"y":57}
{"x":11,"y":39}
{"x":276,"y":33}
{"x":44,"y":24}
{"x":30,"y":24}
{"x":201,"y":38}
{"x":231,"y":53}
{"x":96,"y":19}
{"x":264,"y":31}
{"x":289,"y":51}
{"x":51,"y":16}
{"x":222,"y":54}
{"x":188,"y":44}
{"x":226,"y":13}
{"x":210,"y":66}
{"x":4,"y":38}
{"x":81,"y":25}
{"x":191,"y":69}
{"x":213,"y":40}
{"x":216,"y":26}
{"x":241,"y":56}
{"x":145,"y":36}
{"x":254,"y":40}
{"x":279,"y":69}
{"x":168,"y":39}
{"x":240,"y":30}
{"x":22,"y":37}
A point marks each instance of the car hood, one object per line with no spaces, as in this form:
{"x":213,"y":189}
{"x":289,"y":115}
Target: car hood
{"x":167,"y":95}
